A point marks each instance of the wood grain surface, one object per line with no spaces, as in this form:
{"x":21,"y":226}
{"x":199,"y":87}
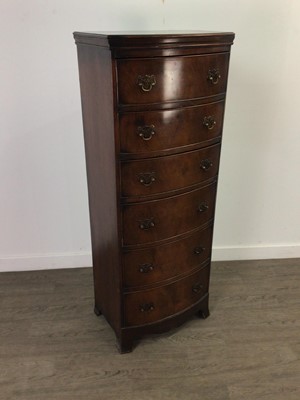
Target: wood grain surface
{"x":155,"y":264}
{"x":172,"y":130}
{"x":170,"y":173}
{"x":98,"y":123}
{"x":171,"y":216}
{"x":160,"y":194}
{"x":176,"y":78}
{"x":53,"y":347}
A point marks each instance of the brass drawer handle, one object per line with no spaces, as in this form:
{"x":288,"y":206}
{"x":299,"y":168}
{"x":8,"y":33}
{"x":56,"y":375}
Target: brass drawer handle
{"x":146,"y":268}
{"x":197,"y":288}
{"x":147,"y":178}
{"x":206,"y":164}
{"x":209,"y":122}
{"x":146,"y":132}
{"x":199,"y":250}
{"x":147,"y":307}
{"x":203,"y":207}
{"x":146,"y":82}
{"x":213,"y":76}
{"x":147,"y":224}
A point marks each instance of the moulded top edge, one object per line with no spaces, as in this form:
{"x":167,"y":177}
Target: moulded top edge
{"x":154,"y":38}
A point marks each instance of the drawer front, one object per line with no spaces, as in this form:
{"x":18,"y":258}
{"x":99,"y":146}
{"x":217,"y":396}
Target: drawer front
{"x":161,"y":219}
{"x":163,"y":174}
{"x":150,"y":131}
{"x":156,"y":80}
{"x":152,"y":305}
{"x":152,"y":265}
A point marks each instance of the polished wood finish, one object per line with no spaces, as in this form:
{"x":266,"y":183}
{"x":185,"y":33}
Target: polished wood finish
{"x":177,"y":78}
{"x":173,"y":129}
{"x":158,"y":43}
{"x":152,"y":305}
{"x":171,"y":216}
{"x":161,"y":174}
{"x":98,"y":126}
{"x":153,"y":108}
{"x":150,"y":265}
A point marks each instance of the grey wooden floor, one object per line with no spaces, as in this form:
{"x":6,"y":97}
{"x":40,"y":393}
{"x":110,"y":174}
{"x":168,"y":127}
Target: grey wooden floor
{"x":52,"y":346}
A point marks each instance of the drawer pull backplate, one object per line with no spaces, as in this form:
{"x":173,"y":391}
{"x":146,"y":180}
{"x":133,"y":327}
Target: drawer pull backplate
{"x":199,"y":250}
{"x":146,"y":132}
{"x":147,"y":224}
{"x":147,"y":307}
{"x":209,"y":122}
{"x":206,"y":164}
{"x":197,"y":288}
{"x":145,"y":268}
{"x":203,"y":207}
{"x":147,"y":178}
{"x":213,"y":76}
{"x":146,"y":82}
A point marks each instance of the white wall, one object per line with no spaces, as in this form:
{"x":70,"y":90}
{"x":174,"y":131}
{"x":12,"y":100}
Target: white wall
{"x":43,"y":193}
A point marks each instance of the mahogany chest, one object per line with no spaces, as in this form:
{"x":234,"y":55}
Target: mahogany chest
{"x":153,"y":109}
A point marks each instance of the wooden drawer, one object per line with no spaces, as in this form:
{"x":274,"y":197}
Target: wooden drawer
{"x":161,"y":219}
{"x":156,"y":80}
{"x":155,"y":304}
{"x":155,"y":264}
{"x":150,"y":131}
{"x":163,"y":174}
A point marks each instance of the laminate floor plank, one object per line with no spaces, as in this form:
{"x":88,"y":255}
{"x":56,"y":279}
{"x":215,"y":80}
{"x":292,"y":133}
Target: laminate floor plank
{"x":52,"y":346}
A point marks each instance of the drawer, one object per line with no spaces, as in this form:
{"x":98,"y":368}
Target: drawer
{"x":156,"y":80}
{"x":156,"y":220}
{"x":150,"y":131}
{"x":155,"y":304}
{"x":163,"y":174}
{"x":152,"y":265}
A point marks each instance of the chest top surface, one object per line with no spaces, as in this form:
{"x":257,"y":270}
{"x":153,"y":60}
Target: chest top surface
{"x":155,"y":39}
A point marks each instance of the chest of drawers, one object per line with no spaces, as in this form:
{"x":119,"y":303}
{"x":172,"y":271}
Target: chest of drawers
{"x":153,"y":108}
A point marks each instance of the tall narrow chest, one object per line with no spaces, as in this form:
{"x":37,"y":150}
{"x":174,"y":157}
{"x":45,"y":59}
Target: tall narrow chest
{"x":153,"y":109}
